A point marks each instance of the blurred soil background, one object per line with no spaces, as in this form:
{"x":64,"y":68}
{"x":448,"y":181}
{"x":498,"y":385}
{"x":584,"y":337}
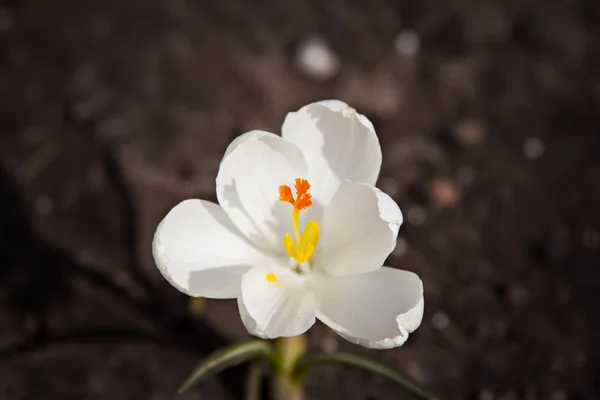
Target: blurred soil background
{"x":111,"y":112}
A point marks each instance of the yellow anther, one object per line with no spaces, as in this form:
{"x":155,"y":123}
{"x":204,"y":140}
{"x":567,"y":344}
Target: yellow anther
{"x":308,"y":241}
{"x":302,"y":249}
{"x":271,"y":278}
{"x":290,"y":246}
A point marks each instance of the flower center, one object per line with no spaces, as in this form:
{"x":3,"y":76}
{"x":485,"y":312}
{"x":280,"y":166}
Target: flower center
{"x":304,"y":245}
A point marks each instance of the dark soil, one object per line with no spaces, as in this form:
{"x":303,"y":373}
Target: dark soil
{"x":111,"y":112}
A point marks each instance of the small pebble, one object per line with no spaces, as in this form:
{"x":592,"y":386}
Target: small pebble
{"x":179,"y":8}
{"x":32,"y":135}
{"x":44,"y":205}
{"x":482,"y":210}
{"x":563,"y":294}
{"x":389,"y":186}
{"x":329,"y":345}
{"x":31,"y":324}
{"x":486,"y":394}
{"x":7,"y":20}
{"x":97,"y":385}
{"x":85,"y":77}
{"x":417,"y":215}
{"x":83,"y":110}
{"x":591,"y":238}
{"x":316,"y":59}
{"x":444,"y":192}
{"x":508,"y":396}
{"x":100,"y":27}
{"x":533,"y":148}
{"x":517,"y":294}
{"x":500,"y":327}
{"x":96,"y":178}
{"x":407,"y":43}
{"x":440,"y":320}
{"x":580,"y":359}
{"x":469,"y":132}
{"x":547,"y":74}
{"x":87,"y":257}
{"x":558,"y":395}
{"x":466,"y":175}
{"x":558,"y":364}
{"x":485,"y":269}
{"x":18,"y":56}
{"x":401,"y":247}
{"x":529,"y":392}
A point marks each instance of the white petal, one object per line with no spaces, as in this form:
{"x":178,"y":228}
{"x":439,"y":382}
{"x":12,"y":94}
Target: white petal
{"x":359,"y":231}
{"x":389,"y":211}
{"x":280,"y":308}
{"x":199,"y":251}
{"x":376,"y":310}
{"x":256,"y":134}
{"x":247,"y":188}
{"x":338,"y":144}
{"x":249,"y":323}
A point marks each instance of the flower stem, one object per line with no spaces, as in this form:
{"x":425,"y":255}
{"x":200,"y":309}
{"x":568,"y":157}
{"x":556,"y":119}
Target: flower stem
{"x":289,"y":351}
{"x":253,"y":381}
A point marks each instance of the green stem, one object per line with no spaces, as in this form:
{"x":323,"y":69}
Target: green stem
{"x":253,"y":381}
{"x":289,"y":351}
{"x":365,"y":364}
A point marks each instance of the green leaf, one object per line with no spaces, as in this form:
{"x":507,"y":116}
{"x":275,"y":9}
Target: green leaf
{"x":365,"y":364}
{"x":225,"y":358}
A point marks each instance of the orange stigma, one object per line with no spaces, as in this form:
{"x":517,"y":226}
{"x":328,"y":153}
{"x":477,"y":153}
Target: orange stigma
{"x":303,"y":198}
{"x":301,"y":250}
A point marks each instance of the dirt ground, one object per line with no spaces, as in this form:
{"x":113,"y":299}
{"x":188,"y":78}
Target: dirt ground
{"x":488,"y":113}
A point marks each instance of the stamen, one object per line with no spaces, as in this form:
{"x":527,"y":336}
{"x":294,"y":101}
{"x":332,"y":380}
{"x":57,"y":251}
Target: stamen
{"x":302,"y":249}
{"x":290,"y":246}
{"x":296,"y":221}
{"x":311,"y":233}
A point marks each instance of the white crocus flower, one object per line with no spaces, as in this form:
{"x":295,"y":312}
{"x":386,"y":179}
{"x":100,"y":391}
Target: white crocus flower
{"x":300,"y":232}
